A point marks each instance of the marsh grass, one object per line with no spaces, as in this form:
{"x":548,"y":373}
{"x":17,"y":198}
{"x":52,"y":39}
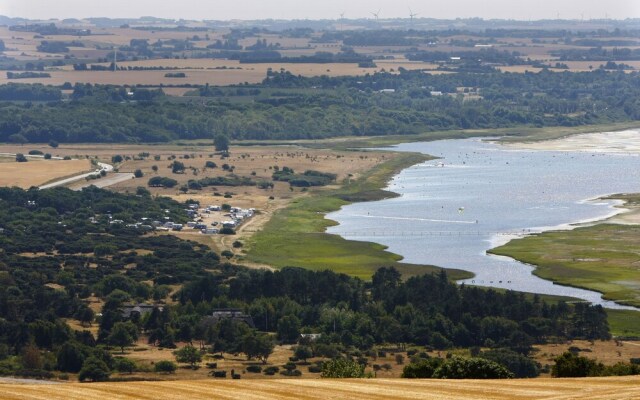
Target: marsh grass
{"x":295,"y":236}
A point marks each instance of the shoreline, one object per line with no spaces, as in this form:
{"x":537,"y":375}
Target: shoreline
{"x":378,"y":188}
{"x":615,"y":208}
{"x":297,"y":235}
{"x":620,"y":209}
{"x":623,"y":142}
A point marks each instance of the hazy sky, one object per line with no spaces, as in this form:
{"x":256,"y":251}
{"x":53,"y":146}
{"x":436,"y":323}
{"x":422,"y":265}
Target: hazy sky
{"x":301,"y":9}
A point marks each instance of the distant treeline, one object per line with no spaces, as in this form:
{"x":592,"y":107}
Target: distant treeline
{"x":322,"y":107}
{"x":597,"y":54}
{"x":273,"y":56}
{"x":491,"y":55}
{"x":58,"y":47}
{"x":36,"y":92}
{"x":49,"y":29}
{"x":26,"y":75}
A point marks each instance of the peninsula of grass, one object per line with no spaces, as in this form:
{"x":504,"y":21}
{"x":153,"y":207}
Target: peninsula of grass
{"x":602,"y":257}
{"x":295,"y":236}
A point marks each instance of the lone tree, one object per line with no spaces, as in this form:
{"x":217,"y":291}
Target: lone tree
{"x":165,"y":367}
{"x":21,"y":158}
{"x":188,"y":355}
{"x":303,"y":353}
{"x":123,"y":334}
{"x":177,"y":167}
{"x":221,"y":143}
{"x":257,"y":345}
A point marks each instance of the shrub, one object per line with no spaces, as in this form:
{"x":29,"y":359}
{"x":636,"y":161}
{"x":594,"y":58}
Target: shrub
{"x":570,"y":365}
{"x":424,"y":368}
{"x":123,"y":364}
{"x":35,"y":153}
{"x":520,"y":365}
{"x":293,"y":372}
{"x":315,"y":369}
{"x":290,"y":366}
{"x":159,"y":181}
{"x":271,"y":370}
{"x":138,"y":173}
{"x":471,"y":368}
{"x":94,"y":369}
{"x":303,"y":352}
{"x":219,"y":374}
{"x":256,"y":369}
{"x":165,"y":366}
{"x":342,"y":368}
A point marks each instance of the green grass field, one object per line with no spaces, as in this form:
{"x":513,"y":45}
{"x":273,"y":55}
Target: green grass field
{"x":624,"y":323}
{"x":603,"y":258}
{"x":295,"y":236}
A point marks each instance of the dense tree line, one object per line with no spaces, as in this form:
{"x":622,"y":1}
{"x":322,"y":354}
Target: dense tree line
{"x":493,"y":56}
{"x":325,"y":107}
{"x":36,"y":92}
{"x":598,"y":54}
{"x":60,"y":247}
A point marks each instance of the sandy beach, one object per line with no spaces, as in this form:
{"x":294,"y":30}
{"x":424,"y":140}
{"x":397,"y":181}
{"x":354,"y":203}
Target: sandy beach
{"x":623,"y":142}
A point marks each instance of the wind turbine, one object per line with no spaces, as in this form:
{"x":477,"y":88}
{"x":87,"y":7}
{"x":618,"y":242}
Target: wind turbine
{"x":412,"y":15}
{"x":340,"y":21}
{"x":376,"y":14}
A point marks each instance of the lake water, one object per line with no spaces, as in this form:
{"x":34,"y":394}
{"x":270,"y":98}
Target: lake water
{"x":480,"y":195}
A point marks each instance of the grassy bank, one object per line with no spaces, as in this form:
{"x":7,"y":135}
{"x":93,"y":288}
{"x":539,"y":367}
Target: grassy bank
{"x":602,"y":258}
{"x":295,"y":235}
{"x":624,"y":323}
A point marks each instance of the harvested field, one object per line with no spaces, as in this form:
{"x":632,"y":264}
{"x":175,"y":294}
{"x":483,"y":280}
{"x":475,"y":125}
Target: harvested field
{"x":37,"y":172}
{"x":608,"y":352}
{"x":586,"y":388}
{"x":203,"y":71}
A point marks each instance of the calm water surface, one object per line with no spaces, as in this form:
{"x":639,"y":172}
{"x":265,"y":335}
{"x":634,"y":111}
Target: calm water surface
{"x":478,"y":196}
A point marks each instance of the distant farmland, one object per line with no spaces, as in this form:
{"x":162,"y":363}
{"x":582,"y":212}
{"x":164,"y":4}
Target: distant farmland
{"x":201,"y":72}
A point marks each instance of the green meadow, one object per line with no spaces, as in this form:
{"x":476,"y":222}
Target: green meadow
{"x":295,"y":236}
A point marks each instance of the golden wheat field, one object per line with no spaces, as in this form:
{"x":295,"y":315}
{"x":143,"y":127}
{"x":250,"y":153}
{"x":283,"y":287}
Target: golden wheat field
{"x":35,"y":173}
{"x":584,"y":388}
